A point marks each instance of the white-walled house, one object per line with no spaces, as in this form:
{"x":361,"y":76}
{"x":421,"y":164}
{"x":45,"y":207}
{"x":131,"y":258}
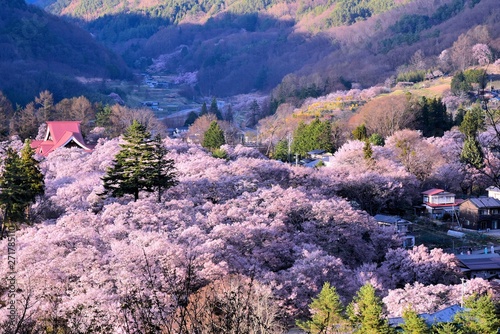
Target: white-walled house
{"x":437,"y":202}
{"x":493,"y":192}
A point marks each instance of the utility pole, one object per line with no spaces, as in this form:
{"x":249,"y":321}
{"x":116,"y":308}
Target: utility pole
{"x":289,"y":141}
{"x":463,"y":292}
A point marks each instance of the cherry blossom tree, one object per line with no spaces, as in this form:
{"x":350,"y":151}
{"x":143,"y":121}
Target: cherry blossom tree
{"x":433,"y":297}
{"x":482,"y":54}
{"x":420,"y":264}
{"x":248,"y":234}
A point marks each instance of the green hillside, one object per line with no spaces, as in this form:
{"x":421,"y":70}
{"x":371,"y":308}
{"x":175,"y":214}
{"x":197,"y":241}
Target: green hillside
{"x":340,"y":11}
{"x":298,"y":48}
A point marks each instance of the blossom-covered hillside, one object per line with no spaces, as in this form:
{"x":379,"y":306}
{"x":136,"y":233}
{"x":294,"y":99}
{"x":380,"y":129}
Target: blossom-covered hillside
{"x":245,"y":238}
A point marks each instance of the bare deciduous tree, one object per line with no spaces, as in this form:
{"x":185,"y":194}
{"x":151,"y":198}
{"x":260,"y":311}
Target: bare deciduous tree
{"x":386,"y":115}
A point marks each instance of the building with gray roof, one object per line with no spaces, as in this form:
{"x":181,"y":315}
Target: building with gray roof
{"x":480,"y":213}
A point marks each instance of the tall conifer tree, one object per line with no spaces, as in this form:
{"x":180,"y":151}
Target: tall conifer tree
{"x":20,"y":184}
{"x":213,"y":137}
{"x":479,"y":316}
{"x":327,"y":313}
{"x":163,"y":172}
{"x":366,"y":312}
{"x":413,"y":324}
{"x":138,"y":166}
{"x":214,"y":109}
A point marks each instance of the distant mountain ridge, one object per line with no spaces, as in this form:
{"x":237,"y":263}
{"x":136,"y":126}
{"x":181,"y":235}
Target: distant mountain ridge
{"x":41,"y":51}
{"x":338,"y":12}
{"x":311,"y":47}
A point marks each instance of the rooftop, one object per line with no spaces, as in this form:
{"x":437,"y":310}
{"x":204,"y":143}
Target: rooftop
{"x":445,"y":205}
{"x":433,"y":191}
{"x":485,"y":202}
{"x":390,"y":219}
{"x":445,"y":315}
{"x":479,"y":262}
{"x":60,"y":134}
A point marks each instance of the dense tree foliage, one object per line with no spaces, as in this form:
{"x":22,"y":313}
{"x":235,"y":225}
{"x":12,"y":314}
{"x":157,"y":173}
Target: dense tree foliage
{"x":432,"y":117}
{"x":20,"y":184}
{"x":413,"y":324}
{"x":282,"y":230}
{"x":214,"y":109}
{"x":139,"y":166}
{"x":316,"y":135}
{"x":53,"y":51}
{"x":471,"y":125}
{"x":408,"y":29}
{"x":327,"y":313}
{"x":462,"y":82}
{"x":366,"y":312}
{"x":479,"y":316}
{"x":213,"y":138}
{"x":360,"y":133}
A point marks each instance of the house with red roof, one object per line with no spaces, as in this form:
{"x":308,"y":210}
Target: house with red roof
{"x":60,"y":134}
{"x":437,"y":202}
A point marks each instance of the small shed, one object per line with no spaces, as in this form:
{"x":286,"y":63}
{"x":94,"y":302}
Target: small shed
{"x":398,"y":225}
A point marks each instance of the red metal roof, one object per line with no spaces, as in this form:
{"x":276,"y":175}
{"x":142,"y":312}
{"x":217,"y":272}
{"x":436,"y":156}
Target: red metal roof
{"x":456,"y":203}
{"x":432,"y":191}
{"x":60,"y":134}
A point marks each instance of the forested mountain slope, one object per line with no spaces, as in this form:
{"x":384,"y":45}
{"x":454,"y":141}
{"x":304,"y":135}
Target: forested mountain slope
{"x":41,"y":51}
{"x":239,"y":46}
{"x":335,"y":12}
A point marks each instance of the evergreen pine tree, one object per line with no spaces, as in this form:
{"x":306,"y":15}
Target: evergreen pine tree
{"x":300,"y":143}
{"x":103,"y":116}
{"x":163,"y":172}
{"x":459,"y":116}
{"x":366,"y":312}
{"x":316,"y":135}
{"x":413,"y":324}
{"x":213,"y":137}
{"x":479,"y":316}
{"x":139,"y":166}
{"x":34,"y":184}
{"x":21,"y":183}
{"x":191,"y":118}
{"x":327,"y":313}
{"x":127,"y":175}
{"x":281,"y":150}
{"x":471,"y":153}
{"x":473,"y":122}
{"x":368,"y":151}
{"x":377,"y":139}
{"x":204,"y":109}
{"x":214,"y":109}
{"x":459,"y":84}
{"x":322,"y":132}
{"x":229,"y":114}
{"x":360,"y":132}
